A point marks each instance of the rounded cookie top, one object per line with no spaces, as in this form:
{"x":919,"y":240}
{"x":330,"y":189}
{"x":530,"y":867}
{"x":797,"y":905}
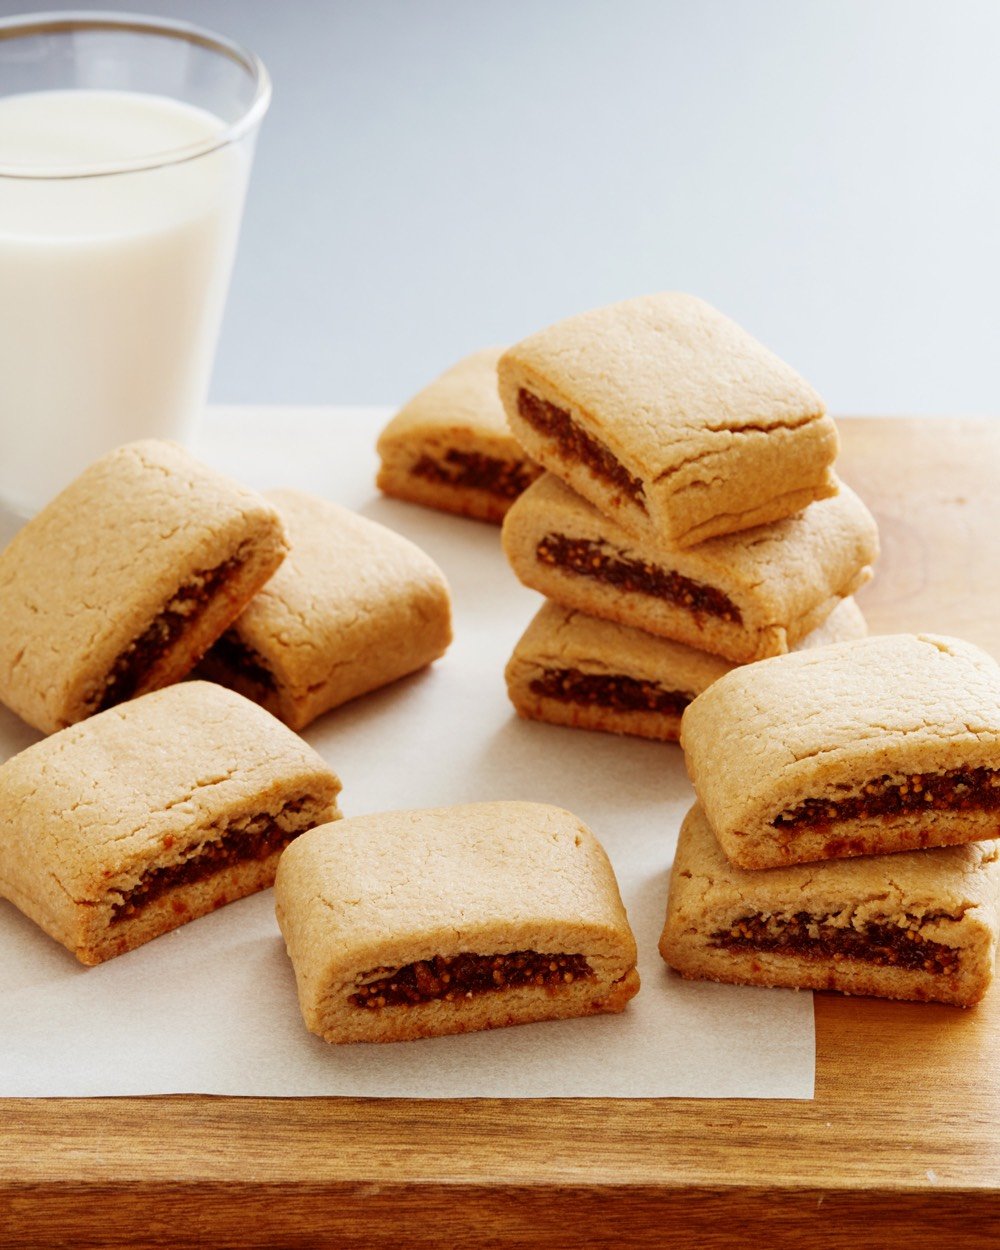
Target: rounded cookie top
{"x":343,"y":573}
{"x":100,"y":562}
{"x":464,"y":397}
{"x":856,"y":709}
{"x":395,"y":887}
{"x":665,"y":376}
{"x":132,"y":783}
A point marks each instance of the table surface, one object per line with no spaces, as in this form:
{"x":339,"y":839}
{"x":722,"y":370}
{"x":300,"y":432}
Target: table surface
{"x":902,"y":1138}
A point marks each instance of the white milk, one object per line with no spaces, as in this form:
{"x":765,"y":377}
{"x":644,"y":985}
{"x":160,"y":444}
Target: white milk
{"x":112,"y":287}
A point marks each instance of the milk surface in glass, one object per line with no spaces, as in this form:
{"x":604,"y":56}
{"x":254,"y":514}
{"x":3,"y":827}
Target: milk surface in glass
{"x":111,"y":286}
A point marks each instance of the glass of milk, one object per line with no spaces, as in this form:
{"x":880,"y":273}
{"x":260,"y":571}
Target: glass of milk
{"x":125,"y":148}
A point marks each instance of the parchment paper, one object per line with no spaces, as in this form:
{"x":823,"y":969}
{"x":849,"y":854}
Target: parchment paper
{"x":211,"y":1008}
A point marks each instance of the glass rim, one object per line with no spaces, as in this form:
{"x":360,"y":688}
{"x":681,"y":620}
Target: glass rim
{"x":68,"y":21}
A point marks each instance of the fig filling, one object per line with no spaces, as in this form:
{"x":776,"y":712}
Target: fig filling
{"x":604,"y":563}
{"x":135,"y":663}
{"x":253,"y":838}
{"x":576,"y":444}
{"x":957,"y":790}
{"x":239,"y":658}
{"x":806,"y":936}
{"x":622,"y":694}
{"x":452,"y":977}
{"x":473,"y":471}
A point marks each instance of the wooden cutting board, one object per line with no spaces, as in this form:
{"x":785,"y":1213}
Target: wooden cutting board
{"x":901,"y":1142}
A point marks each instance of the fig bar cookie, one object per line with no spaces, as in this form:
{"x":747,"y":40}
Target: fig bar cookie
{"x":415,"y":924}
{"x":921,"y":925}
{"x":353,"y":607}
{"x":577,"y":670}
{"x":743,"y":597}
{"x":862,"y":748}
{"x":125,"y":579}
{"x":451,"y":448}
{"x":670,"y":419}
{"x":152,"y":814}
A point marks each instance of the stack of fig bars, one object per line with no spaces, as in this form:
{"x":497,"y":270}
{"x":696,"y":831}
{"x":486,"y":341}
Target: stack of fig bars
{"x":689,"y":520}
{"x":845,"y":834}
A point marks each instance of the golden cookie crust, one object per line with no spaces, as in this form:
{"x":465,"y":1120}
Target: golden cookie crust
{"x":354,"y":607}
{"x":367,"y":897}
{"x":125,"y":550}
{"x":447,"y":430}
{"x":715,"y":432}
{"x":669,"y":675}
{"x":837,"y":752}
{"x":920,"y":925}
{"x":96,"y":814}
{"x":781,"y":580}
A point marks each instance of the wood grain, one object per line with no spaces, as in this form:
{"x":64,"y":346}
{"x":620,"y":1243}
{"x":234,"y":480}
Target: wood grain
{"x":902,"y":1140}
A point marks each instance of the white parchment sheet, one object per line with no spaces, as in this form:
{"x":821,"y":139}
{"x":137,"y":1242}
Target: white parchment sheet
{"x":211,"y":1008}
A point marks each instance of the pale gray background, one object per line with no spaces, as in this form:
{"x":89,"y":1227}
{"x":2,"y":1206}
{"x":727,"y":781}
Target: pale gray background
{"x":437,"y":175}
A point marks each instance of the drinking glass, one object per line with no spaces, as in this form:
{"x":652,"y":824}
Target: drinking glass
{"x":125,"y":148}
